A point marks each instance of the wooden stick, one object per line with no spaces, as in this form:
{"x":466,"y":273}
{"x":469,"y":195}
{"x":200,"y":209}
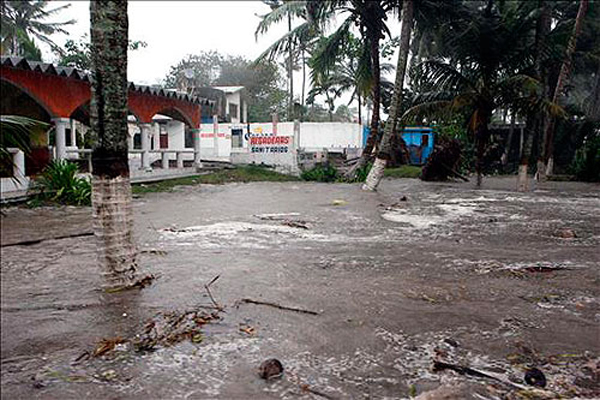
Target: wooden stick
{"x":267,"y":303}
{"x":440,"y":366}
{"x":207,"y":287}
{"x":36,"y":241}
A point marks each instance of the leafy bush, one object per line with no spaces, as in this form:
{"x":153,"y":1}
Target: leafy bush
{"x":586,"y":164}
{"x":320,"y":173}
{"x":59,"y":182}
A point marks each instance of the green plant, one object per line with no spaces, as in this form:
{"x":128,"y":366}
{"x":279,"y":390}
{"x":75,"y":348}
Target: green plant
{"x":320,"y":173}
{"x":59,"y":182}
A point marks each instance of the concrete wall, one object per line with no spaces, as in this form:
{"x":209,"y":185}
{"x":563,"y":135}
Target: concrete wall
{"x":330,"y":135}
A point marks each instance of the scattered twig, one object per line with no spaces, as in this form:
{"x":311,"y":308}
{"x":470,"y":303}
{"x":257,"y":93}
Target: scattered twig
{"x":267,"y":303}
{"x":440,"y":366}
{"x":207,"y":287}
{"x":36,"y":241}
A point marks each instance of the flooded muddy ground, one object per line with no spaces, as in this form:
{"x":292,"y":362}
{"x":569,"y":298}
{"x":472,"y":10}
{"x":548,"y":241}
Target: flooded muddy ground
{"x":493,"y":279}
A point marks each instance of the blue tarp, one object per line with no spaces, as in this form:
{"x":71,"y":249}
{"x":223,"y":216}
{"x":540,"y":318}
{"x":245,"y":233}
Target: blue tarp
{"x":419,"y":140}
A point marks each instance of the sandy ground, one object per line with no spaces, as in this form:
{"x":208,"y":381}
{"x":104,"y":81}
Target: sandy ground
{"x":475,"y":277}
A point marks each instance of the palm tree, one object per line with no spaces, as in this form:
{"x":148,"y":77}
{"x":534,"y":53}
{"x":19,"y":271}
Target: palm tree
{"x":376,"y":172}
{"x":534,"y":119}
{"x":369,"y":17}
{"x":548,"y":149}
{"x":111,"y":194}
{"x":483,"y":72}
{"x":23,"y":20}
{"x":297,"y":42}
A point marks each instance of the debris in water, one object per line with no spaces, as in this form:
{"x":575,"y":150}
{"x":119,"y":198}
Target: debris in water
{"x":270,"y":369}
{"x":535,"y":377}
{"x":105,"y":346}
{"x":565,"y":233}
{"x":267,"y":303}
{"x":295,"y":224}
{"x":154,"y":252}
{"x":247,"y":329}
{"x":339,"y":202}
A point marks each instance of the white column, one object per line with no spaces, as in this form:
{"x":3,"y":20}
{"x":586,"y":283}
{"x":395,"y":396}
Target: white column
{"x":165,"y":159}
{"x":196,"y":136}
{"x":74,"y":133}
{"x":60,"y":125}
{"x":216,"y":138}
{"x":156,"y":133}
{"x":146,"y":131}
{"x":296,"y":143}
{"x":179,"y":159}
{"x":18,"y":165}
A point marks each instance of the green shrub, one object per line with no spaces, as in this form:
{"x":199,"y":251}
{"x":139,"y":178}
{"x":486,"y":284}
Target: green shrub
{"x":320,"y":173}
{"x":59,"y":183}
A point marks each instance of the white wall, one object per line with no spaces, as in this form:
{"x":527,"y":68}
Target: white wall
{"x":330,"y":135}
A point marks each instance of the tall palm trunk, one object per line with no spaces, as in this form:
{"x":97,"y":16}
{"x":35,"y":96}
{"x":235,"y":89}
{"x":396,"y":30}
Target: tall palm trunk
{"x":290,"y":71}
{"x":376,"y":100}
{"x":533,"y":123}
{"x":111,"y":192}
{"x":358,"y":99}
{"x":548,"y":149}
{"x":482,"y":136}
{"x":303,"y":80}
{"x":511,"y":133}
{"x":384,"y":151}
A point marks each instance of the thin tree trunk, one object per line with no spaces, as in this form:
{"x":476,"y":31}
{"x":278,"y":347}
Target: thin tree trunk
{"x":291,"y":71}
{"x":359,"y":109}
{"x":481,"y":139}
{"x":303,"y":77}
{"x":531,"y":126}
{"x":548,"y":155}
{"x":533,"y":123}
{"x":111,"y":190}
{"x":376,"y":98}
{"x":507,"y":146}
{"x":384,"y":152}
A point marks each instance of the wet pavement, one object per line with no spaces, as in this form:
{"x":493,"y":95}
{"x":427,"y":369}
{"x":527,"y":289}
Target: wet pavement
{"x":485,"y":278}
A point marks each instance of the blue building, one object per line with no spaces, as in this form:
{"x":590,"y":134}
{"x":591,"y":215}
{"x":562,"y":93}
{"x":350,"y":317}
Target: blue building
{"x":418,"y":139}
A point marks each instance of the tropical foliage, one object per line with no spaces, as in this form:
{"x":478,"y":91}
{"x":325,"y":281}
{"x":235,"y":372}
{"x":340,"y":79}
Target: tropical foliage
{"x":23,"y":21}
{"x":59,"y":183}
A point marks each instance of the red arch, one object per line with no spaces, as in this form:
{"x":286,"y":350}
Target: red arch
{"x":61,"y":96}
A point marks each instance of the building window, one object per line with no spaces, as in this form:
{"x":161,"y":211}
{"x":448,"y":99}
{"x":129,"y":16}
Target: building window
{"x":233,"y":111}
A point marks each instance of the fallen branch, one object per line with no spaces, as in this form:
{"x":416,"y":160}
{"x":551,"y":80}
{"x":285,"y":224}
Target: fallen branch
{"x":36,"y":241}
{"x":207,"y":287}
{"x":267,"y":303}
{"x":440,"y":366}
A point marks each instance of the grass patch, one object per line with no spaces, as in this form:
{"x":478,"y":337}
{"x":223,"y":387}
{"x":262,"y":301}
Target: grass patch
{"x":405,"y":171}
{"x":249,"y":173}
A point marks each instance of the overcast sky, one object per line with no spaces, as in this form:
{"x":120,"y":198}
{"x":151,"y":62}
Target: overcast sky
{"x":173,"y":29}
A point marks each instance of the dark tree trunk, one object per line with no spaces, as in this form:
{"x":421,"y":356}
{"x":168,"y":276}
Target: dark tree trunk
{"x":481,"y":139}
{"x":508,"y":145}
{"x":548,"y":149}
{"x":533,"y":123}
{"x":111,"y":194}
